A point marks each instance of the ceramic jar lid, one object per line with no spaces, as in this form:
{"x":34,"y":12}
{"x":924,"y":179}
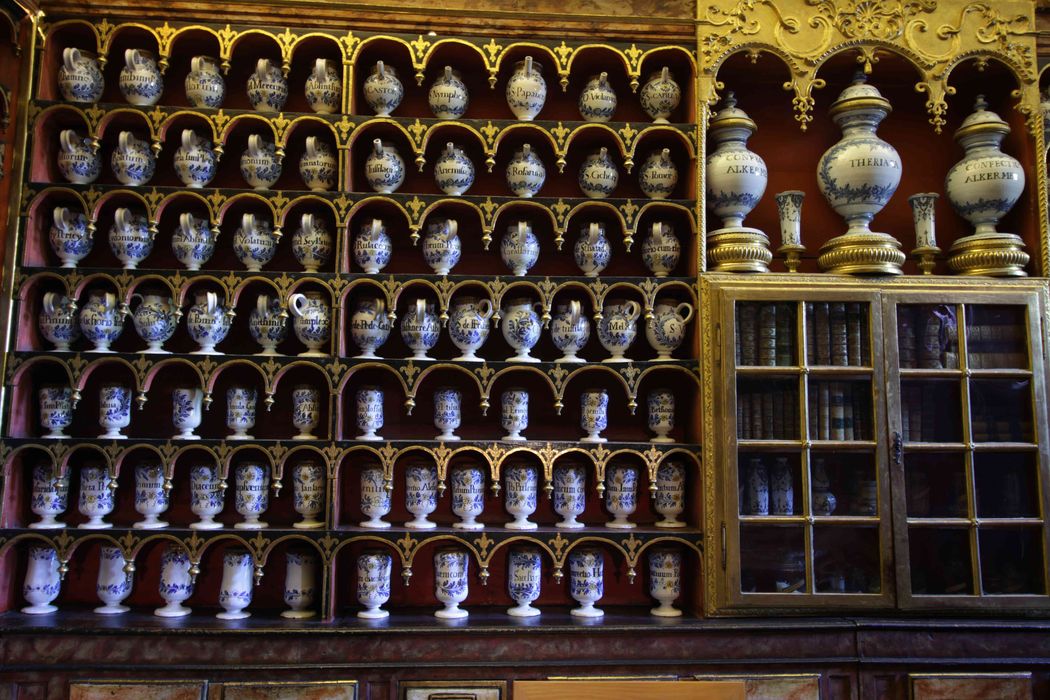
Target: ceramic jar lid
{"x":731,"y":117}
{"x":981,"y":121}
{"x":860,"y":95}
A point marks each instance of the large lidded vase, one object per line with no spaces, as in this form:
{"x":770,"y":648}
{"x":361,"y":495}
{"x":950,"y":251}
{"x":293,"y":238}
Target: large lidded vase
{"x":736,"y":181}
{"x":857,"y":176}
{"x":982,"y":188}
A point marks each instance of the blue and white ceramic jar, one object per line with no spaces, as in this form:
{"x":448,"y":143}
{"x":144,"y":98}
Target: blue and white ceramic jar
{"x":79,"y":77}
{"x":260,"y":164}
{"x":70,"y":236}
{"x":524,"y":576}
{"x":621,"y":494}
{"x":519,"y":495}
{"x":268,"y":324}
{"x":384,"y":168}
{"x":586,"y":581}
{"x":176,"y":583}
{"x":208,"y":323}
{"x":525,"y":173}
{"x":665,"y":330}
{"x":618,"y":328}
{"x":597,"y":101}
{"x":318,"y":167}
{"x":373,"y":583}
{"x":370,"y":326}
{"x":114,"y":410}
{"x":453,"y":171}
{"x":592,"y":251}
{"x":324,"y":87}
{"x":598,"y":175}
{"x":450,"y":582}
{"x":141,"y":81}
{"x":521,"y":328}
{"x":658,"y":175}
{"x":306,"y":411}
{"x":448,"y":97}
{"x":58,"y":321}
{"x":155,"y":320}
{"x":132,"y":161}
{"x":468,"y":326}
{"x":254,"y":242}
{"x":594,"y":414}
{"x":130,"y":238}
{"x":49,"y":497}
{"x":519,"y":248}
{"x":375,"y":498}
{"x":42,"y":582}
{"x":382,"y":90}
{"x":369,"y":412}
{"x":240,"y":412}
{"x":421,"y":495}
{"x":372,"y":247}
{"x":186,"y":405}
{"x":193,"y":241}
{"x":660,"y":95}
{"x":78,"y":158}
{"x":736,"y":176}
{"x":661,"y":249}
{"x":441,"y":246}
{"x":300,"y":584}
{"x":267,"y":87}
{"x":114,"y":583}
{"x":670,"y":493}
{"x":195,"y":161}
{"x":782,"y":488}
{"x":96,"y":498}
{"x":235,"y":589}
{"x":308,"y":490}
{"x":468,"y":497}
{"x":757,"y":488}
{"x":526,"y":90}
{"x":420,"y":329}
{"x":312,"y":322}
{"x":569,"y":498}
{"x":251,"y":495}
{"x":101,"y":320}
{"x":570,"y":331}
{"x":312,"y":243}
{"x":448,"y":412}
{"x":206,"y":497}
{"x":205,"y":86}
{"x":56,"y":410}
{"x":514,"y":413}
{"x":661,"y":414}
{"x":665,"y":581}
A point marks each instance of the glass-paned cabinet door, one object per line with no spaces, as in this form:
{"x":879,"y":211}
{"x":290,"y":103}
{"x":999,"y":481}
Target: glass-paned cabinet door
{"x":967,"y":415}
{"x":802,"y":396}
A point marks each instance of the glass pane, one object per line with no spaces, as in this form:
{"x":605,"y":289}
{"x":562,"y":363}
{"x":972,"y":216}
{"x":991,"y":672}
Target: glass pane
{"x":844,"y":483}
{"x":1012,"y":560}
{"x":935,"y":485}
{"x":772,"y":559}
{"x":837,"y":334}
{"x":846,"y":559}
{"x":940,"y":561}
{"x":1001,"y":410}
{"x":931,"y":410}
{"x":1007,"y":485}
{"x":766,"y":334}
{"x":767,"y":409}
{"x":927,"y":336}
{"x":996,"y":337}
{"x":768,"y":484}
{"x":840,"y":410}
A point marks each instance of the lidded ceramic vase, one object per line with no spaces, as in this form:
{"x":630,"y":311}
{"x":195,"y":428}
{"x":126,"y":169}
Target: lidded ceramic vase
{"x":660,"y":95}
{"x":736,"y":176}
{"x":267,"y":87}
{"x":448,"y":97}
{"x":383,"y":91}
{"x":205,"y":86}
{"x":141,"y":81}
{"x":79,"y":77}
{"x":597,"y":101}
{"x":526,"y":89}
{"x":324,"y":87}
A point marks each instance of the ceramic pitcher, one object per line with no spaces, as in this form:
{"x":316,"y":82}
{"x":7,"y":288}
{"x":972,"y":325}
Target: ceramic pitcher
{"x":660,"y":95}
{"x":79,"y":77}
{"x":208,"y":322}
{"x":597,"y":101}
{"x":70,"y":236}
{"x":324,"y":87}
{"x":140,"y":79}
{"x":311,"y":321}
{"x":205,"y":86}
{"x":267,"y":87}
{"x":78,"y":158}
{"x":195,"y":161}
{"x":132,"y":161}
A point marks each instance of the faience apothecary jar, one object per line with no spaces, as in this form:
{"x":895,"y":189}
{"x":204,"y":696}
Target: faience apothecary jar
{"x":130,"y":238}
{"x":195,"y":161}
{"x":311,"y":321}
{"x":155,"y":319}
{"x":665,"y":331}
{"x":300,"y":588}
{"x":618,"y":328}
{"x":268,"y":324}
{"x":267,"y":87}
{"x":420,"y":328}
{"x":58,"y":321}
{"x":208,"y":322}
{"x":193,"y":241}
{"x":448,"y":97}
{"x":468,"y":326}
{"x":597,"y":101}
{"x":69,"y":236}
{"x":260,"y":163}
{"x":372,"y":247}
{"x":453,"y":171}
{"x":49,"y":497}
{"x":384,"y":168}
{"x":101,"y":320}
{"x":525,"y":173}
{"x":441,"y":246}
{"x":318,"y":167}
{"x":370,"y":327}
{"x":660,"y":95}
{"x":660,"y":249}
{"x":312,"y":244}
{"x":658,"y":175}
{"x":592,"y":251}
{"x":383,"y":91}
{"x":205,"y":86}
{"x":254,"y":242}
{"x":519,"y":248}
{"x":132,"y":161}
{"x":570,"y":331}
{"x":79,"y":77}
{"x":521,"y":327}
{"x":324,"y":87}
{"x":373,"y":583}
{"x":526,"y":89}
{"x":141,"y":82}
{"x":598,"y":175}
{"x":78,"y":159}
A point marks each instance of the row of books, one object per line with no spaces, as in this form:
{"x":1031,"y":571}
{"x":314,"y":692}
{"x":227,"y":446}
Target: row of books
{"x":837,"y":334}
{"x":766,"y":335}
{"x":921,"y":421}
{"x":927,"y":337}
{"x":840,"y":411}
{"x":767,"y":411}
{"x":999,"y":345}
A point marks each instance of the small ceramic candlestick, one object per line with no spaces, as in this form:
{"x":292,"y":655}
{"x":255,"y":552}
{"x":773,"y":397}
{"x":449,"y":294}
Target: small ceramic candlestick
{"x":450,"y":582}
{"x":235,"y":590}
{"x":524,"y":575}
{"x":447,"y":412}
{"x":375,"y":498}
{"x":570,"y":497}
{"x":206,"y":497}
{"x":421,"y":496}
{"x":926,"y":249}
{"x":306,"y":411}
{"x":252,"y":495}
{"x":56,"y":411}
{"x":49,"y":497}
{"x":468,"y":497}
{"x":42,"y":581}
{"x":373,"y":583}
{"x":789,"y":209}
{"x":114,"y":582}
{"x":300,"y":575}
{"x":240,"y":412}
{"x":514,"y":416}
{"x":114,"y":411}
{"x":670,"y":493}
{"x":586,"y":581}
{"x":176,"y":583}
{"x":308,"y":489}
{"x":661,"y":414}
{"x":96,"y":498}
{"x":520,"y":496}
{"x":665,"y":581}
{"x":594,"y":414}
{"x":621,"y":495}
{"x":151,"y":496}
{"x":369,"y":413}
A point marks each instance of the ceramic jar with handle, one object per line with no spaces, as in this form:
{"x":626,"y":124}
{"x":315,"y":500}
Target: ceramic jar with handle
{"x":526,"y":90}
{"x":519,"y":249}
{"x":521,"y":328}
{"x":208,"y":322}
{"x":141,"y":81}
{"x":660,"y":95}
{"x":78,"y":159}
{"x":661,"y":250}
{"x":268,"y":324}
{"x":598,"y":175}
{"x":193,"y":241}
{"x":384,"y":168}
{"x":468,"y":326}
{"x":597,"y":101}
{"x":205,"y":86}
{"x":665,"y":331}
{"x":267,"y":87}
{"x":132,"y":160}
{"x":130,"y":238}
{"x":618,"y":328}
{"x":318,"y":167}
{"x":155,"y":320}
{"x":453,"y":171}
{"x":448,"y":97}
{"x":324,"y":87}
{"x":441,"y":246}
{"x":312,"y":244}
{"x":372,"y":247}
{"x":658,"y":175}
{"x":369,"y":327}
{"x":58,"y":321}
{"x":525,"y":173}
{"x":79,"y":77}
{"x":420,"y":329}
{"x":570,"y":331}
{"x":195,"y":161}
{"x":382,"y":90}
{"x":70,"y":236}
{"x":254,"y":242}
{"x":592,"y":251}
{"x":101,"y":320}
{"x":311,"y":321}
{"x":260,"y":163}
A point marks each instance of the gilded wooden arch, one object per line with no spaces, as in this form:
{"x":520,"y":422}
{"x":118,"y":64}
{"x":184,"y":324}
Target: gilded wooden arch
{"x":28,"y":536}
{"x":415,"y":546}
{"x":649,"y":131}
{"x":591,"y":540}
{"x":209,"y":283}
{"x":163,"y":364}
{"x":39,"y":199}
{"x":441,"y":131}
{"x":667,"y":367}
{"x":170,"y":36}
{"x":532,"y":541}
{"x":183,"y":194}
{"x":89,"y":369}
{"x":278,"y":285}
{"x":248,"y":118}
{"x":231,"y":363}
{"x":309,"y":366}
{"x":587,"y":369}
{"x":216,"y":541}
{"x":664,"y":286}
{"x":371,"y":539}
{"x":515,"y":370}
{"x":449,"y":202}
{"x":70,"y":551}
{"x":153,"y":539}
{"x":365,"y":42}
{"x":289,"y":129}
{"x":29,"y":286}
{"x":581,"y":208}
{"x":382,"y":366}
{"x":607,"y":49}
{"x":367,"y":283}
{"x":109,"y":32}
{"x":412,"y":284}
{"x":251,"y":197}
{"x":28,"y":448}
{"x":607,"y":131}
{"x":363,"y":131}
{"x":40,"y":118}
{"x":305,"y":200}
{"x":386,"y":202}
{"x":129,"y":450}
{"x":271,"y":545}
{"x":144,"y":121}
{"x":507,"y":209}
{"x":122,"y":193}
{"x":422,"y":59}
{"x":98,"y":452}
{"x":182,"y":115}
{"x":569,"y":286}
{"x":53,"y":29}
{"x":694,"y":457}
{"x":172,"y":285}
{"x":500,"y":135}
{"x":666,"y":540}
{"x":443,"y":367}
{"x":308,"y":37}
{"x":229,"y":47}
{"x":235,"y":451}
{"x":603,"y":291}
{"x":548,"y":57}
